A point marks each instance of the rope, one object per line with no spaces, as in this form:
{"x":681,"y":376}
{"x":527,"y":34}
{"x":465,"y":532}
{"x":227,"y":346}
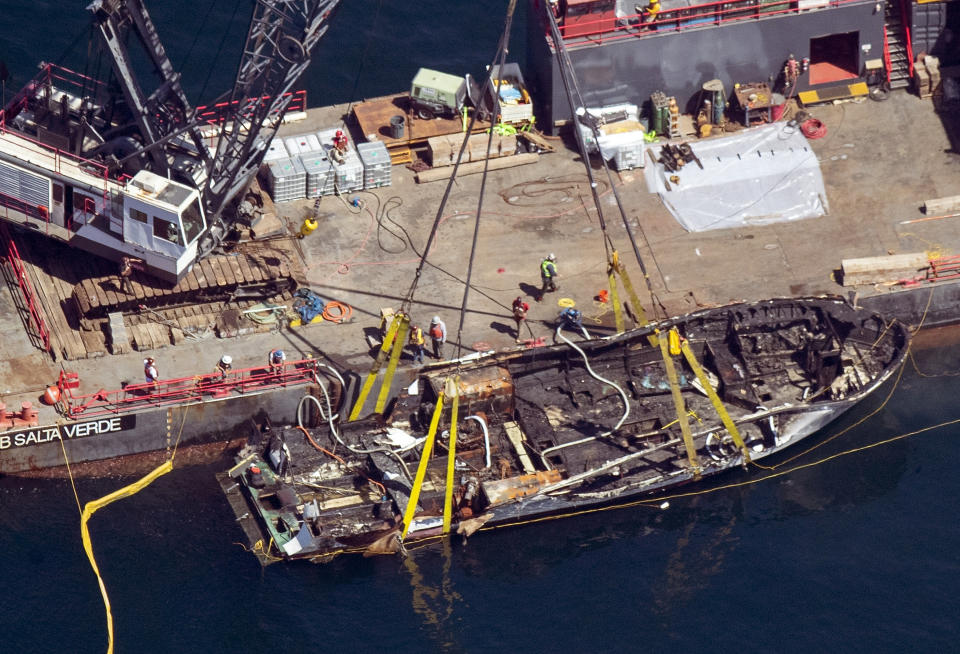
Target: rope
{"x":344,"y":312}
{"x":813,"y":128}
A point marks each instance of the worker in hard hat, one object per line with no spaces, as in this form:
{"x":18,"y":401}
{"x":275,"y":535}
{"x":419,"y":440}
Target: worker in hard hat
{"x":150,"y":374}
{"x":649,"y":14}
{"x":548,"y":275}
{"x":417,"y":343}
{"x":224,"y":365}
{"x":276,"y":359}
{"x":438,"y":335}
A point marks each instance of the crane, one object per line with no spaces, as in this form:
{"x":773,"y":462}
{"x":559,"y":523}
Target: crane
{"x":126,"y":167}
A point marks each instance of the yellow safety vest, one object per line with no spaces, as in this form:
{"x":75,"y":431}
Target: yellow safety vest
{"x":416,"y":336}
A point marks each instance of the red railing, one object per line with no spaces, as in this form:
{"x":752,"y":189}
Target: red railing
{"x":887,"y":62}
{"x":905,"y":21}
{"x":217,"y":113}
{"x":30,"y":302}
{"x":696,"y":16}
{"x":168,"y":392}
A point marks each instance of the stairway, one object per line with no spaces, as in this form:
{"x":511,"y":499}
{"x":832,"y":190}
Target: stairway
{"x":898,"y":47}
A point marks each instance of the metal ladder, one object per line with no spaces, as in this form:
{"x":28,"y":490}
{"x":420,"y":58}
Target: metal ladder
{"x":897,"y":42}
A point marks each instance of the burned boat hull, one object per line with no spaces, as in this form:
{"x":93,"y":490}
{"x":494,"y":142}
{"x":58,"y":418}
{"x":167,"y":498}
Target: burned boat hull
{"x":557,"y":429}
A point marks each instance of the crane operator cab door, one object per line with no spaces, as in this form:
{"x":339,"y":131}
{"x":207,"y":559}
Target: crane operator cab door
{"x":162,"y":222}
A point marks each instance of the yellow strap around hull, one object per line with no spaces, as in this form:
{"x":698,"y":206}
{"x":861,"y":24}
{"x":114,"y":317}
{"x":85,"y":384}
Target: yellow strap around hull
{"x":422,"y":468}
{"x":678,"y":404}
{"x":451,"y":459}
{"x":715,"y":399}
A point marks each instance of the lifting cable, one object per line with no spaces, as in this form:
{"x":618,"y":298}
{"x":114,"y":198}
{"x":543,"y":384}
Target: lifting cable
{"x":500,"y":59}
{"x":572,"y":89}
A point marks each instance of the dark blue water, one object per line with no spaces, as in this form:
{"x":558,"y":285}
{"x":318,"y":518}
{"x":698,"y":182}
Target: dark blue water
{"x":856,"y":554}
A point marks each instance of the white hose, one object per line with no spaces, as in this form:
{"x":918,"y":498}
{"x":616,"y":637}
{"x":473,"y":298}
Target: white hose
{"x":626,"y":402}
{"x":333,"y":430}
{"x":486,"y":436}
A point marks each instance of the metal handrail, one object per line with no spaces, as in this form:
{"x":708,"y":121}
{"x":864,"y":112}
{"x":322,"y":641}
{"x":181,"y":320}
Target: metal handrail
{"x":166,"y":392}
{"x":26,"y":288}
{"x":715,"y":13}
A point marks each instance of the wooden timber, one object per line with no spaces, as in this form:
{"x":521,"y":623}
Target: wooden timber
{"x":373,"y":120}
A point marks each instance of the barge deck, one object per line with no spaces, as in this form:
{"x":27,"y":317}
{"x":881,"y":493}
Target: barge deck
{"x":880,"y":163}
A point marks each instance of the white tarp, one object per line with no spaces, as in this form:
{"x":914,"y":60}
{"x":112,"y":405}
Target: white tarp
{"x":759,"y":176}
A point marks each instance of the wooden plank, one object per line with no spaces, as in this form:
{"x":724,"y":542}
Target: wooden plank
{"x":873,"y":270}
{"x":199,"y":273}
{"x":244,"y":268}
{"x":219,"y":271}
{"x":436,"y":174}
{"x":942,"y":206}
{"x":255,"y":273}
{"x":234,"y":262}
{"x":226,"y":270}
{"x":516,"y":439}
{"x":210,"y":270}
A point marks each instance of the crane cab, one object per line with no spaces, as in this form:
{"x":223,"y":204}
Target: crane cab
{"x":162,"y":221}
{"x":150,"y":217}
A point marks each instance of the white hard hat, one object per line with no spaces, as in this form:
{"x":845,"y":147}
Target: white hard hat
{"x":436,"y":319}
{"x":226,"y":359}
{"x":552,"y":257}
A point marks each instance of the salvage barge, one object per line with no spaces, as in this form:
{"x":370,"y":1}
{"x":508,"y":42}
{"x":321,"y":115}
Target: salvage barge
{"x":554,"y":429}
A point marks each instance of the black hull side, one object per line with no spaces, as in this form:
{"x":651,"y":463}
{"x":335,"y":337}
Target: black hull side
{"x":147,"y":431}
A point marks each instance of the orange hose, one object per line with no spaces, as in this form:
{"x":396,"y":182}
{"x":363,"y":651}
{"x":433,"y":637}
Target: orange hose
{"x":344,"y":312}
{"x":314,"y":443}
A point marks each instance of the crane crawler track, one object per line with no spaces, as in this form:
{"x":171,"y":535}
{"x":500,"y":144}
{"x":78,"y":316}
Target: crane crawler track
{"x":244,"y":275}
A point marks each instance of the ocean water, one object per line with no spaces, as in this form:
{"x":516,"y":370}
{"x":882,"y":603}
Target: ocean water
{"x":855,"y":554}
{"x":858,"y":553}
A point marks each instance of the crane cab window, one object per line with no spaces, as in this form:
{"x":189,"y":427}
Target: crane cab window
{"x":166,"y":230}
{"x":139,"y":216}
{"x":192,"y":220}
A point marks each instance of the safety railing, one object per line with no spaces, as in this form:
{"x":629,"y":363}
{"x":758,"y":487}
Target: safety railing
{"x":905,"y":21}
{"x":607,"y":29}
{"x":167,"y":392}
{"x":31,"y":304}
{"x":887,"y":62}
{"x":221,"y":111}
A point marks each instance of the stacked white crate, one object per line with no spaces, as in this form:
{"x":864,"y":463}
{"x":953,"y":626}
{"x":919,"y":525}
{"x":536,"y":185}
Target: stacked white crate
{"x":302,"y":144}
{"x":376,"y":164}
{"x":275,"y":151}
{"x":349,"y":174}
{"x":287,"y":179}
{"x":321,"y":174}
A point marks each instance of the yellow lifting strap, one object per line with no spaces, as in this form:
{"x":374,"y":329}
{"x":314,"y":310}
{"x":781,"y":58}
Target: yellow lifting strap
{"x":92,"y":507}
{"x":422,"y":469}
{"x":714,"y":398}
{"x":679,"y":405}
{"x":388,"y":341}
{"x":638,"y":311}
{"x":615,"y":299}
{"x":398,"y":343}
{"x":453,"y":391}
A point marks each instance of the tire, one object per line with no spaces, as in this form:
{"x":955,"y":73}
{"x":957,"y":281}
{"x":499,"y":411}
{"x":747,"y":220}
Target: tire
{"x":425,"y":114}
